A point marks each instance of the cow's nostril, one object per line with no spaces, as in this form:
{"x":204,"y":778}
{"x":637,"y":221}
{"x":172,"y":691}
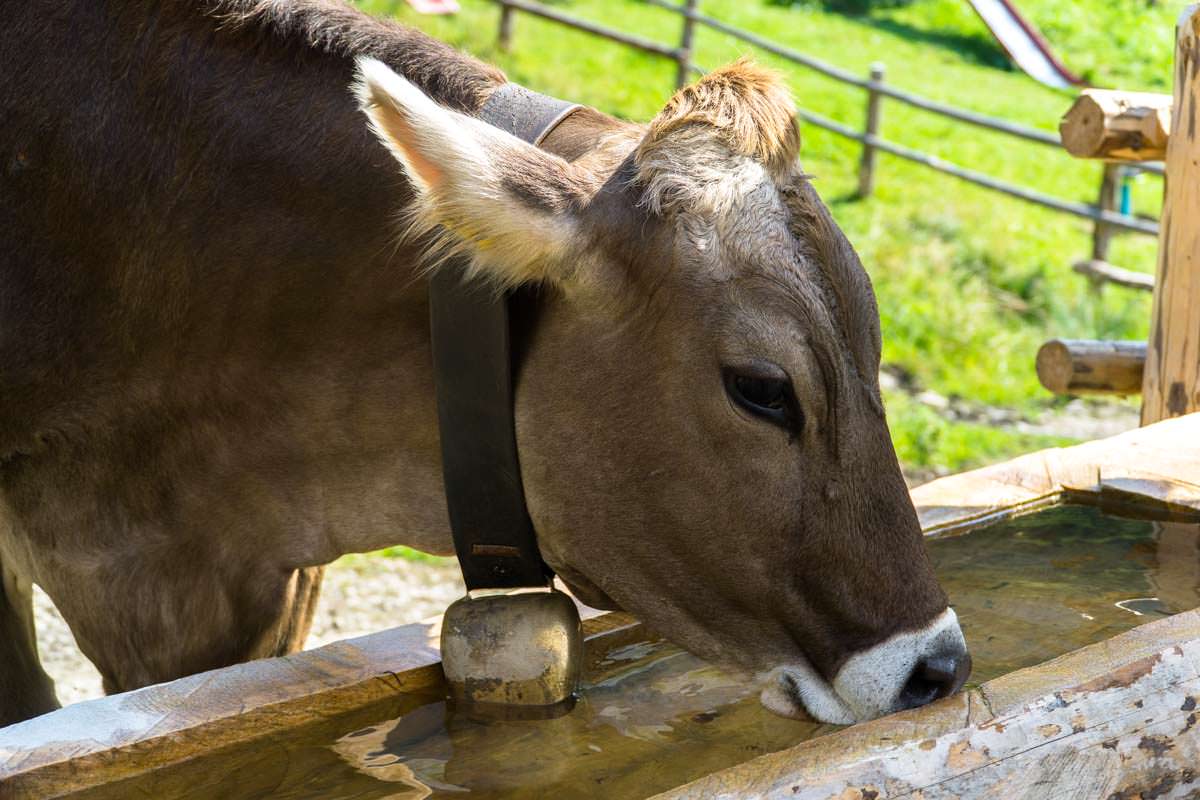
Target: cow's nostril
{"x":934,"y":678}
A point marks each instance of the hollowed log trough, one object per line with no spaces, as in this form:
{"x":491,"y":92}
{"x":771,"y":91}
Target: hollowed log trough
{"x":1116,"y":719}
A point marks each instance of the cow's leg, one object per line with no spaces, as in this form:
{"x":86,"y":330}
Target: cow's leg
{"x":159,"y":624}
{"x":296,"y":620}
{"x":25,"y":689}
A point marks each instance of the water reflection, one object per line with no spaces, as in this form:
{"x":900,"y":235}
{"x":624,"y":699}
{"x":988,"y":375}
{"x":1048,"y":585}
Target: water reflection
{"x":646,"y":716}
{"x":1035,"y":587}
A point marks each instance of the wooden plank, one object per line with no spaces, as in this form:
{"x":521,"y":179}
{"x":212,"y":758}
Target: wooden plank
{"x":1172,"y":382}
{"x":1159,"y":463}
{"x":1087,"y":366}
{"x":1116,"y":725}
{"x":114,"y":738}
{"x":1117,"y":126}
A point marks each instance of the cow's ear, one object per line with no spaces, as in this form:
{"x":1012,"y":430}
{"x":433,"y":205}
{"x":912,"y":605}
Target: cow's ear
{"x":510,"y":206}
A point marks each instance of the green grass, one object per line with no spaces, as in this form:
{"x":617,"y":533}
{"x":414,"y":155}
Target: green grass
{"x":409,"y":554}
{"x":969,"y":282}
{"x":398,"y":551}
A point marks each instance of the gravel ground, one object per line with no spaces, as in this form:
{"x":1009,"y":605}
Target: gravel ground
{"x":360,"y":594}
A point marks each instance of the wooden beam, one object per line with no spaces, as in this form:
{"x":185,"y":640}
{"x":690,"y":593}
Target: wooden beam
{"x":1117,"y":126}
{"x":1104,"y":272}
{"x":121,"y":740}
{"x":1120,"y":724}
{"x":1172,"y":380}
{"x":1083,"y":366}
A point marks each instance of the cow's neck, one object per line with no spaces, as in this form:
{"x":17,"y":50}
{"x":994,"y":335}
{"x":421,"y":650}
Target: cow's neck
{"x":235,"y":342}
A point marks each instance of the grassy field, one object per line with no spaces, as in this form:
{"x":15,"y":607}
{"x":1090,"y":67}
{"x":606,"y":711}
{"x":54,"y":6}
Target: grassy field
{"x":969,"y":282}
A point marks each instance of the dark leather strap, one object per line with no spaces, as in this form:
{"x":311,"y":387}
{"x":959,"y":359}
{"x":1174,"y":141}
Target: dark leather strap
{"x":524,"y":113}
{"x":472,"y":365}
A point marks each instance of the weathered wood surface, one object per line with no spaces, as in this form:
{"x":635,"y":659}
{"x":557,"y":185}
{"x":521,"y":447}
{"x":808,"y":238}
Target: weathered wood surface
{"x":112,"y":738}
{"x":1085,"y":366}
{"x":1116,"y":125}
{"x":1114,"y":720}
{"x":1102,"y":272}
{"x":866,"y":162}
{"x":1172,"y":382}
{"x":1159,"y":463}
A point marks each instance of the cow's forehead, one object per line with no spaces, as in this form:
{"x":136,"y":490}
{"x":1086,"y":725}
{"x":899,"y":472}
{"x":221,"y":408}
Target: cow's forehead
{"x":783,"y":244}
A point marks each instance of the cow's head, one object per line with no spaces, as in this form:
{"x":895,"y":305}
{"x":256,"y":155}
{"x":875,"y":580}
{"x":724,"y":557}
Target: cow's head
{"x":701,"y":434}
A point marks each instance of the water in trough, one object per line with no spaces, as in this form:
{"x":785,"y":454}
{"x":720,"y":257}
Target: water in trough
{"x":652,"y":717}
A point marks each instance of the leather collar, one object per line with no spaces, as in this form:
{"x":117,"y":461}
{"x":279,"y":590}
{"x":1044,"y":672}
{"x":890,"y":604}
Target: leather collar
{"x":472,"y":363}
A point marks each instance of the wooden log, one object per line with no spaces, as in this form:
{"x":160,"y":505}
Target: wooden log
{"x":1117,"y":126}
{"x":1171,"y":385}
{"x":1104,"y":272}
{"x":1081,"y":366}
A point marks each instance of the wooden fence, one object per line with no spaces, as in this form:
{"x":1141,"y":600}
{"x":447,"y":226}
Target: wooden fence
{"x":1106,"y":220}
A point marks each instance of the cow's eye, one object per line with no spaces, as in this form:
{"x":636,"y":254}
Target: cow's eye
{"x":766,"y":396}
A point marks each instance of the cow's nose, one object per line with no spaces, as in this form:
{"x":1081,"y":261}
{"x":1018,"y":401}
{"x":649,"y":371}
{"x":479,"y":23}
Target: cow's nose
{"x":934,"y":678}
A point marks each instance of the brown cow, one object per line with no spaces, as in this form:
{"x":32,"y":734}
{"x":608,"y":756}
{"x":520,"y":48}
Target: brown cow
{"x":215,"y":372}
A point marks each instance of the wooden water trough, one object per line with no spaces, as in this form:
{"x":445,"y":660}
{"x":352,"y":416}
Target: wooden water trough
{"x":1118,"y":717}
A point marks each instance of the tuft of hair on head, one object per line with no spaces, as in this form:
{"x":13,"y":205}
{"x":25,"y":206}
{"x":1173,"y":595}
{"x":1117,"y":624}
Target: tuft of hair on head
{"x":717,"y":139}
{"x":747,"y":107}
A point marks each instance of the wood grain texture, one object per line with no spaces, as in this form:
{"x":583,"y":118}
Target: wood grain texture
{"x":1158,"y":464}
{"x":1116,"y":125}
{"x":1119,"y":722}
{"x":1171,"y":385}
{"x":1086,"y":366}
{"x":115,"y":738}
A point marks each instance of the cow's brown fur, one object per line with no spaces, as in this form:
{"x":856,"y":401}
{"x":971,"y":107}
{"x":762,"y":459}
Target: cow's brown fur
{"x":214,"y":361}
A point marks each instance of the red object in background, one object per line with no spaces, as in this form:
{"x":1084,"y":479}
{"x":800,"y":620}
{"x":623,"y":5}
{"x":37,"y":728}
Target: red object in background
{"x":434,"y":6}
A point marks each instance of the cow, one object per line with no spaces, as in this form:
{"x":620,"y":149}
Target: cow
{"x":218,"y":220}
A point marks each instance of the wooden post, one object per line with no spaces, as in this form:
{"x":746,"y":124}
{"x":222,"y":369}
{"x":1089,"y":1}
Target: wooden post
{"x":1172,"y":381}
{"x":507,"y":13}
{"x":1107,"y":201}
{"x":684,"y":73}
{"x":1080,"y":366}
{"x":866,"y":164}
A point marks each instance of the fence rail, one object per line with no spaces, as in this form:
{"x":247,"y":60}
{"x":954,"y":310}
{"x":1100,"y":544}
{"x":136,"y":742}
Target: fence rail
{"x":1105,"y":218}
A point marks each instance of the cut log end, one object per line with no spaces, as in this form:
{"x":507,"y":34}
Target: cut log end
{"x":1118,"y":126}
{"x":1075,"y":367}
{"x":1082,"y":128}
